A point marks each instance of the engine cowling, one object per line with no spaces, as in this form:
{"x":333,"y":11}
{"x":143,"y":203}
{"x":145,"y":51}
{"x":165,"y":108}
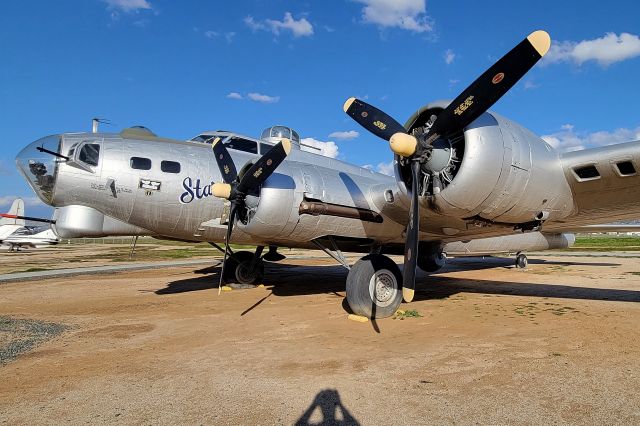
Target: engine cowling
{"x":495,"y":170}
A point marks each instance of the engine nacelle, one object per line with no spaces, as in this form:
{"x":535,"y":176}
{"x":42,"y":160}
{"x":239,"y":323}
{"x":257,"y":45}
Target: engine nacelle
{"x":81,"y":221}
{"x":270,"y":212}
{"x":495,"y":170}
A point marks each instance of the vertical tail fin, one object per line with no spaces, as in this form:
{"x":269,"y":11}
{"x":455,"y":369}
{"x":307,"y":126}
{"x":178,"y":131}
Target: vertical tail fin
{"x":17,"y":208}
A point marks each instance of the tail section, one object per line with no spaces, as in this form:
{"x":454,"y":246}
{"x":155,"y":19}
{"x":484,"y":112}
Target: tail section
{"x":17,"y":209}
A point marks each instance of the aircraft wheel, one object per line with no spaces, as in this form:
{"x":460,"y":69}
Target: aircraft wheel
{"x":374,"y":287}
{"x":521,"y":261}
{"x":237,"y":269}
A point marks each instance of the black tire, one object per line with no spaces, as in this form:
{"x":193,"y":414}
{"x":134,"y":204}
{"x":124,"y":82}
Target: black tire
{"x":235,"y":271}
{"x":521,"y":261}
{"x":432,"y":263}
{"x":361,"y":287}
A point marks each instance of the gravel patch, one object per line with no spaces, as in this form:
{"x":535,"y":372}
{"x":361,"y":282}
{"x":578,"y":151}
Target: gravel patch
{"x":18,"y":336}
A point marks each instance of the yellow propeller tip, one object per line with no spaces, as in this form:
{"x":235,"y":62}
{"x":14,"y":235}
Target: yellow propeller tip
{"x":540,"y":41}
{"x":407,"y":294}
{"x":215,"y":141}
{"x":286,"y":145}
{"x":347,"y":104}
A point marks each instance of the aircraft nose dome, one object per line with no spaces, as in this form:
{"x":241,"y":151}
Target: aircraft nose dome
{"x":40,"y":168}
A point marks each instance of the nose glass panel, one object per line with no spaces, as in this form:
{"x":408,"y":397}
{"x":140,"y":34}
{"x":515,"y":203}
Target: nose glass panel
{"x":40,"y":169}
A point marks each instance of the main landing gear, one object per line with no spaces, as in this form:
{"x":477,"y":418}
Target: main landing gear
{"x":374,"y":287}
{"x":243,"y":267}
{"x":521,"y":260}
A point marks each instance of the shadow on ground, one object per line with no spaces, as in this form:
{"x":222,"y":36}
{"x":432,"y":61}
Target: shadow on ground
{"x":327,"y":406}
{"x":296,"y":280}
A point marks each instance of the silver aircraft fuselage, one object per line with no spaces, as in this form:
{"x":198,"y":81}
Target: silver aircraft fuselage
{"x":506,"y":181}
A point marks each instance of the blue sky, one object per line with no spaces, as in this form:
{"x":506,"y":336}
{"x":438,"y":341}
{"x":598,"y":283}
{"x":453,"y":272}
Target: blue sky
{"x":183,"y":67}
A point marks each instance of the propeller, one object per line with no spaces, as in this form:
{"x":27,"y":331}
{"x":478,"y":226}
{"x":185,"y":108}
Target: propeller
{"x":236,"y":188}
{"x":462,"y":111}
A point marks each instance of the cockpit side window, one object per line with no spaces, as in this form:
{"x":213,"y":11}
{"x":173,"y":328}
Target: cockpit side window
{"x":89,"y":154}
{"x":140,"y":163}
{"x":242,"y":145}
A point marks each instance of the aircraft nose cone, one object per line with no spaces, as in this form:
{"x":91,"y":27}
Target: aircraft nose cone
{"x":39,"y":168}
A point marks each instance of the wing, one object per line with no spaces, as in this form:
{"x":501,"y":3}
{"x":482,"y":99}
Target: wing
{"x":604,"y":184}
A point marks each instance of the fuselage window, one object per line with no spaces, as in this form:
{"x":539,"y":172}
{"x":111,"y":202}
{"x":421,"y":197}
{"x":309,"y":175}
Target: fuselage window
{"x":242,"y":145}
{"x":89,"y":154}
{"x":140,"y":163}
{"x":170,"y":167}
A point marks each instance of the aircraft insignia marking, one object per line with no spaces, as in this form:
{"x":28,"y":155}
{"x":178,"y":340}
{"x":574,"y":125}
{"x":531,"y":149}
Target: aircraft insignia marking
{"x":379,"y":124}
{"x":152,"y":185}
{"x":464,"y":106}
{"x":364,"y":114}
{"x":269,"y":162}
{"x":497,"y":78}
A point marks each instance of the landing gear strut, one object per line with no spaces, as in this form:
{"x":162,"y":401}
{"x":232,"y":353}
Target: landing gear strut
{"x":374,"y":287}
{"x":521,"y":261}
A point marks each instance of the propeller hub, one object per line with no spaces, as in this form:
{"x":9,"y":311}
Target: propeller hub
{"x":403,"y":144}
{"x":221,"y":190}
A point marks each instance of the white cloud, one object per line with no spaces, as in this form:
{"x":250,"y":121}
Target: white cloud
{"x":254,"y":96}
{"x":328,"y":149}
{"x":449,"y":56}
{"x":129,"y":5}
{"x":228,"y":36}
{"x":300,"y":28}
{"x":7,"y":200}
{"x":386,"y":168}
{"x":568,"y":139}
{"x":405,"y":14}
{"x":605,"y":50}
{"x":529,"y":84}
{"x":265,"y":99}
{"x":350,"y":134}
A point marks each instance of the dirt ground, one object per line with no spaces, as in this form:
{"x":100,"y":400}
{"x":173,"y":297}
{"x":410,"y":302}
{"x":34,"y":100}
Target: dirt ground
{"x":554,"y":344}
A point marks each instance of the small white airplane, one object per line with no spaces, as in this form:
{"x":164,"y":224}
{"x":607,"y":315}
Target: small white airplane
{"x":16,"y":234}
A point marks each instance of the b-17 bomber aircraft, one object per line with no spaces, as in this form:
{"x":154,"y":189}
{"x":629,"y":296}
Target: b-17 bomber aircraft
{"x":467,"y":181}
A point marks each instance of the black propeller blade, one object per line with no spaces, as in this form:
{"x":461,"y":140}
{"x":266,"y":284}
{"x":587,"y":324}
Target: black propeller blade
{"x":468,"y":106}
{"x":224,"y":161}
{"x":371,"y":118}
{"x":411,"y":243}
{"x":232,"y":217}
{"x":490,"y":86}
{"x":235,"y":189}
{"x":265,"y":166}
